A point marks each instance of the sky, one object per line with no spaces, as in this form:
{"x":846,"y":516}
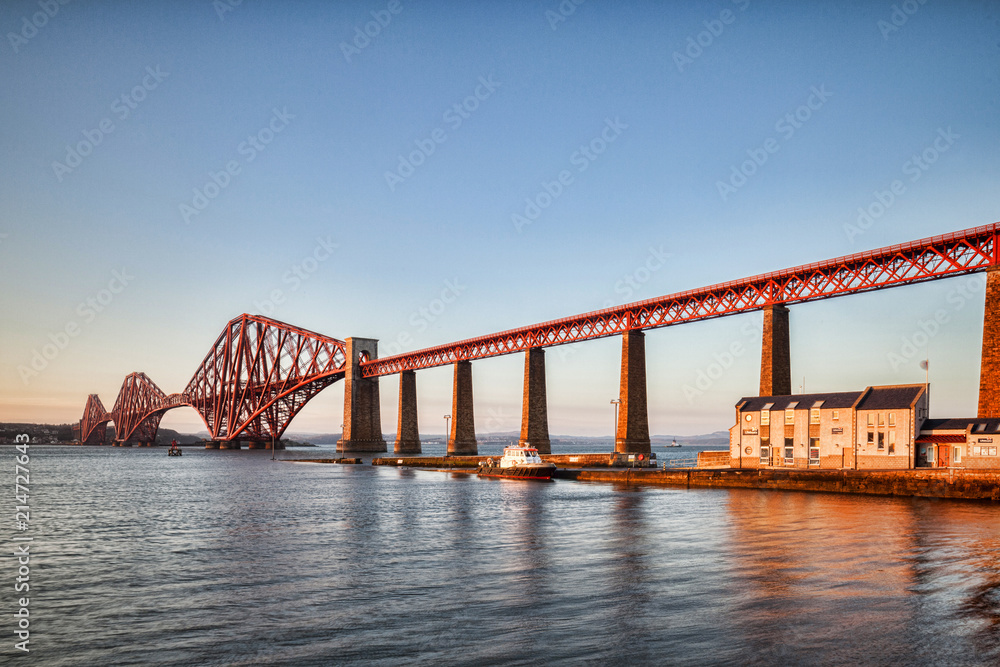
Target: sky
{"x":424,"y":172}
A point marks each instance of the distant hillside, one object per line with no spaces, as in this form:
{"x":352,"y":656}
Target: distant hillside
{"x":55,"y":433}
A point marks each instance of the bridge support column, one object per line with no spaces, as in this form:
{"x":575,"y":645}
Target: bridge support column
{"x":633,"y":419}
{"x":407,"y":433}
{"x":775,"y":358}
{"x":534,"y":410}
{"x":362,"y":419}
{"x":462,"y":439}
{"x":989,"y":363}
{"x":212,"y":444}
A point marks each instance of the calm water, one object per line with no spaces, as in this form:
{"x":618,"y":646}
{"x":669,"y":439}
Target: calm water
{"x":230,"y":558}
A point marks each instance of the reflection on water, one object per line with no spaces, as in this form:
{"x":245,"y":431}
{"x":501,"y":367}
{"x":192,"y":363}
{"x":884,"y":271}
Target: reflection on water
{"x":230,"y":558}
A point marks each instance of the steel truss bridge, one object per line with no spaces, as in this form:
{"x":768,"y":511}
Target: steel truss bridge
{"x":260,"y":372}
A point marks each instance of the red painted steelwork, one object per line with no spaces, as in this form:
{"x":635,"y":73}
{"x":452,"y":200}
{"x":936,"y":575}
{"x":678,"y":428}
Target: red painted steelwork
{"x":252,"y":383}
{"x":918,"y":261}
{"x":139,"y":408}
{"x":94,"y":421}
{"x":259,"y":374}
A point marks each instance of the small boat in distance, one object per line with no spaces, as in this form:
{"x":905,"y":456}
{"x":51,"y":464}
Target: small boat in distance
{"x":673,"y":443}
{"x":517,"y":463}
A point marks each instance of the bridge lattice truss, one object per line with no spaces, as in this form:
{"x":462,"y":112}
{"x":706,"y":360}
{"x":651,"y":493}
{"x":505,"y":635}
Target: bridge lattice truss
{"x":918,"y":261}
{"x":254,"y":380}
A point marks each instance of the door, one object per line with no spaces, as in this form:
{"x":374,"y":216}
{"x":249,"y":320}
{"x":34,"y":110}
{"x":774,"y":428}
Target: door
{"x":944,"y":456}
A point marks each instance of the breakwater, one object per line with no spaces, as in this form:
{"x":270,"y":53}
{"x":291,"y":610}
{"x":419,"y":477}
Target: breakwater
{"x":927,"y":483}
{"x":963,"y":484}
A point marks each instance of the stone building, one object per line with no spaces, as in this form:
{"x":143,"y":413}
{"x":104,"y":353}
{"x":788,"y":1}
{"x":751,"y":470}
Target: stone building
{"x":876,"y":428}
{"x":959,"y":443}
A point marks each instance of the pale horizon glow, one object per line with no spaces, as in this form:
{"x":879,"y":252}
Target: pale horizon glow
{"x":476,"y":167}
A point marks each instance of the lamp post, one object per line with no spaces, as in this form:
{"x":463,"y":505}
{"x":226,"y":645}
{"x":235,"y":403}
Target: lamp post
{"x":614,"y":431}
{"x":447,"y":418}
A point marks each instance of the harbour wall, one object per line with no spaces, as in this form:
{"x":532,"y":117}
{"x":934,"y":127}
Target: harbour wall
{"x":964,"y":484}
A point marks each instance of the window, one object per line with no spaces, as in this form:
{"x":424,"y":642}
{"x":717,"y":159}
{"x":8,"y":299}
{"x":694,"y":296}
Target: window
{"x":930,"y":453}
{"x":814,"y":416}
{"x":881,"y":440}
{"x":892,"y":419}
{"x":765,"y":418}
{"x":814,"y":451}
{"x":958,"y":454}
{"x":789,"y":452}
{"x":871,"y":419}
{"x":765,"y":451}
{"x":881,"y":419}
{"x":789,"y":416}
{"x":871,"y":437}
{"x":836,"y":415}
{"x":892,"y":441}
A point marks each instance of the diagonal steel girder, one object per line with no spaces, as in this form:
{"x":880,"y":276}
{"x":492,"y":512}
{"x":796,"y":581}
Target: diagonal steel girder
{"x":958,"y":253}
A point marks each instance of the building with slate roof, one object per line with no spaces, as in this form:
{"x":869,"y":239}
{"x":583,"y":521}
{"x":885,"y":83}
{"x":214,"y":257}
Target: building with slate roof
{"x":874,"y":429}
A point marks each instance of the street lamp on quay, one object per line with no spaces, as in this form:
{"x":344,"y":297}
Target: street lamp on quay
{"x":614,"y":431}
{"x":446,"y":431}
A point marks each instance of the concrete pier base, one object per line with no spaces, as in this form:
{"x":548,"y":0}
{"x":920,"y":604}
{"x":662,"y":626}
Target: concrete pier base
{"x":362,"y":418}
{"x":407,"y":432}
{"x":213,"y":444}
{"x":989,"y":369}
{"x":632,"y":436}
{"x":230,"y":444}
{"x":534,"y":409}
{"x":775,"y":357}
{"x":258,"y":444}
{"x":462,"y":440}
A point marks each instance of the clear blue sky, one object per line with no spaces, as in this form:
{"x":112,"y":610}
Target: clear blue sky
{"x":671,"y":118}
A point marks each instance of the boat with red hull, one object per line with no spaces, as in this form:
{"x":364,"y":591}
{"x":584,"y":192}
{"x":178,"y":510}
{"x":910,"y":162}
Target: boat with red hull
{"x":517,"y":463}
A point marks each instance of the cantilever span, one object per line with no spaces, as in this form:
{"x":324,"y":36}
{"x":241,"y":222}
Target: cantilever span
{"x":260,"y":372}
{"x":257,"y":376}
{"x":918,"y":261}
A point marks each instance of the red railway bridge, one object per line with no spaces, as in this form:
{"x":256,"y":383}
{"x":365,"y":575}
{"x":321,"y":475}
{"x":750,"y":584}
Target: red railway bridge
{"x":260,"y":372}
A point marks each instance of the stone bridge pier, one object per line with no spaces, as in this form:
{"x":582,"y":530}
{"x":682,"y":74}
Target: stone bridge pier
{"x":632,"y":436}
{"x":462,"y":439}
{"x":989,"y":362}
{"x":775,"y":356}
{"x":362,"y":420}
{"x":534,"y":409}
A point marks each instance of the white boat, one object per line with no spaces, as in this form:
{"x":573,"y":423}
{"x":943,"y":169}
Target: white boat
{"x":519,"y":463}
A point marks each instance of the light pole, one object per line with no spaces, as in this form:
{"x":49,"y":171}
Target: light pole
{"x":614,"y":432}
{"x":446,"y":431}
